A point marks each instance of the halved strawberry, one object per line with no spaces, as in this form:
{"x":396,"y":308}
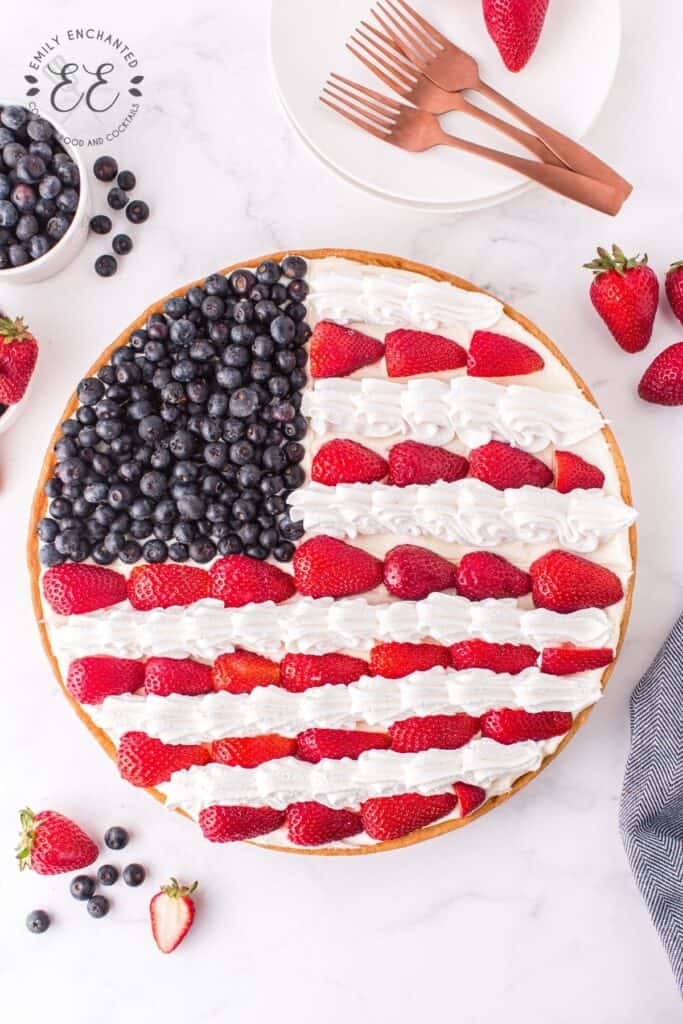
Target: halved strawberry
{"x":241,"y":671}
{"x":299,"y":672}
{"x":316,"y":744}
{"x":496,"y":355}
{"x":412,"y":572}
{"x":564,"y":582}
{"x":469,"y":797}
{"x":394,"y":660}
{"x":251,"y":751}
{"x":510,"y":658}
{"x":433,"y":732}
{"x":336,"y":351}
{"x":95,"y":677}
{"x":327,"y":567}
{"x":389,"y":817}
{"x":237,"y":580}
{"x":341,"y":461}
{"x":481,"y":574}
{"x":166,"y":586}
{"x":411,"y":352}
{"x":501,"y":466}
{"x":411,"y":462}
{"x":229,"y":824}
{"x":143,"y":760}
{"x":312,"y":824}
{"x":74,"y":588}
{"x":177,"y":675}
{"x":512,"y":725}
{"x":564,"y":661}
{"x":171,"y":913}
{"x":50,"y":843}
{"x":572,"y":472}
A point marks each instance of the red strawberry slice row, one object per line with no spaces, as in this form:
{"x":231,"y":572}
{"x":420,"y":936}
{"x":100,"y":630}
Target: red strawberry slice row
{"x":238,"y":580}
{"x":502,"y":466}
{"x":433,"y":732}
{"x":327,"y":567}
{"x":564,"y":661}
{"x":662,"y":382}
{"x":166,"y":586}
{"x":411,"y":462}
{"x":496,"y":355}
{"x":481,"y":575}
{"x":512,"y":725}
{"x":347,"y":462}
{"x":469,"y":797}
{"x":74,"y":588}
{"x":50,"y":843}
{"x":394,"y":660}
{"x":572,"y":472}
{"x":316,"y":744}
{"x":409,"y":353}
{"x":91,"y":679}
{"x":242,"y":671}
{"x":510,"y":658}
{"x":312,"y":824}
{"x":412,"y":572}
{"x":337,"y":351}
{"x":251,"y":751}
{"x":143,"y":760}
{"x":299,"y":672}
{"x":564,"y":582}
{"x":177,"y":675}
{"x":390,"y":817}
{"x":230,"y":824}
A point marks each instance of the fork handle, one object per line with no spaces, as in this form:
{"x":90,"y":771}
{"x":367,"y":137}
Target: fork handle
{"x":525,"y":139}
{"x":571,"y":153}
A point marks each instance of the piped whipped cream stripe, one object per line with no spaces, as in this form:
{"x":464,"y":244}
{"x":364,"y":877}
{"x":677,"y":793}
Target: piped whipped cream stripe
{"x":347,"y":783}
{"x":436,"y":411}
{"x":371,"y":699}
{"x":319,"y":626}
{"x":467,"y":512}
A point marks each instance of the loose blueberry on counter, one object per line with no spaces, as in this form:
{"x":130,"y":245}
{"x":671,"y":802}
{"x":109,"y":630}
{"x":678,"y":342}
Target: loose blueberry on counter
{"x":105,"y":266}
{"x":126,"y":180}
{"x":105,"y":168}
{"x":116,"y":837}
{"x":134,"y":874}
{"x":137,"y":211}
{"x":117,"y":198}
{"x":98,"y":906}
{"x":82,"y":887}
{"x":122,"y":244}
{"x":107,"y":874}
{"x":100,"y":224}
{"x":38,"y":921}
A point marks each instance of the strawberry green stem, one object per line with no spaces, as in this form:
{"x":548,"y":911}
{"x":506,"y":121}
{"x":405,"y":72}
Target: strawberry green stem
{"x":616,"y":260}
{"x":176,"y":891}
{"x":26,"y":838}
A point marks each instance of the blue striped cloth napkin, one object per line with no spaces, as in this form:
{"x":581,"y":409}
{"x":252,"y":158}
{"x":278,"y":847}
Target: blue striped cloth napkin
{"x":651,"y":812}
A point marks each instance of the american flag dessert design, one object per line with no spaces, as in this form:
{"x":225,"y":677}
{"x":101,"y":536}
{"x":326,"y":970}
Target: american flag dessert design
{"x":335,"y":552}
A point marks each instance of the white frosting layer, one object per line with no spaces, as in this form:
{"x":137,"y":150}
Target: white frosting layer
{"x":467,"y":511}
{"x":371,"y":699}
{"x":351,"y":292}
{"x":319,"y":626}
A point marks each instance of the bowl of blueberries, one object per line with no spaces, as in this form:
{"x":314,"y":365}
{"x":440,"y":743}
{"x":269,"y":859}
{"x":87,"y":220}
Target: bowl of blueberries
{"x":44,"y":197}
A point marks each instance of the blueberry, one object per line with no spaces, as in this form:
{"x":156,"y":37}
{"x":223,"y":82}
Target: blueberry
{"x":12,"y":153}
{"x":297,"y":290}
{"x":67,"y":200}
{"x":216,"y":284}
{"x":243,"y":402}
{"x":105,"y":266}
{"x":39,"y":129}
{"x":116,"y":198}
{"x":235,"y":356}
{"x":120,"y":496}
{"x":49,"y":556}
{"x":230,"y":545}
{"x":126,"y":180}
{"x":294,"y":266}
{"x":100,"y":224}
{"x":67,"y":172}
{"x":282,"y":330}
{"x":243,"y":510}
{"x":278,"y":386}
{"x":155,"y":551}
{"x":284,"y":551}
{"x":178,"y":552}
{"x":57,"y":226}
{"x":38,"y":921}
{"x":228,"y":377}
{"x":241,"y":282}
{"x":98,"y":906}
{"x":137,"y":212}
{"x":116,"y":837}
{"x":202,"y":550}
{"x":107,"y":874}
{"x":47,"y":529}
{"x":191,"y":506}
{"x":24,"y":198}
{"x":105,"y":168}
{"x":268,"y":272}
{"x":182,"y":332}
{"x":82,"y":887}
{"x":9,"y":214}
{"x":18,"y":255}
{"x":151,"y":429}
{"x":122,"y":244}
{"x":266,"y":311}
{"x":38,"y":246}
{"x":213,"y":307}
{"x":101,"y":556}
{"x":130,"y":552}
{"x":5,"y":186}
{"x":134,"y":874}
{"x":14,"y":117}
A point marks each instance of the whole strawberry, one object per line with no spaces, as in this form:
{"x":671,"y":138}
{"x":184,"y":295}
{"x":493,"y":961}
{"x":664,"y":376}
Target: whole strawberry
{"x":515,"y":27}
{"x":674,"y":288}
{"x":50,"y":844}
{"x":662,"y":382}
{"x":625,"y":292}
{"x":18,"y":355}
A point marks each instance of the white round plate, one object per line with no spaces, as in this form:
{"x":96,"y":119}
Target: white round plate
{"x":565,"y":84}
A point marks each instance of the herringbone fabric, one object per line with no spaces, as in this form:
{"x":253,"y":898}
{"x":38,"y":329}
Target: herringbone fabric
{"x":651,"y":813}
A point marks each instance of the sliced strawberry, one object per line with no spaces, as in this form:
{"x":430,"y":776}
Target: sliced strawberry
{"x":327,"y":567}
{"x":299,"y":672}
{"x":346,"y":462}
{"x":496,"y":355}
{"x":337,"y":351}
{"x":238,"y":580}
{"x":91,"y":679}
{"x":411,"y":352}
{"x":564,"y":661}
{"x":177,"y":675}
{"x":572,"y":472}
{"x":510,"y":658}
{"x":394,"y":660}
{"x":482,"y":574}
{"x":433,"y":732}
{"x":50,"y":843}
{"x":411,"y":462}
{"x":564,"y":582}
{"x":469,"y":797}
{"x":241,"y":671}
{"x":412,"y":572}
{"x":166,"y":586}
{"x":72,"y":589}
{"x":501,"y":466}
{"x":312,"y":824}
{"x":389,"y":817}
{"x":229,"y":824}
{"x":250,"y":751}
{"x":171,"y":914}
{"x":145,"y":761}
{"x":512,"y":725}
{"x":316,"y":744}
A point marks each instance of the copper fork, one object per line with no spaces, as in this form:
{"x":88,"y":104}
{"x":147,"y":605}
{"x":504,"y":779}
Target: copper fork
{"x":417,"y":130}
{"x":378,"y":53}
{"x":453,"y":69}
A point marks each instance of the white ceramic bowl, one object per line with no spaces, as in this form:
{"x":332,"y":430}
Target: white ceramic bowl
{"x":66,"y":249}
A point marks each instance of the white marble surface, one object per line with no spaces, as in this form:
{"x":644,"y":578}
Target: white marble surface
{"x":531,"y":913}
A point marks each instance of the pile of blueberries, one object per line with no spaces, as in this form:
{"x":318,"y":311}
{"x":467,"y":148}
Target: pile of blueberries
{"x":39,"y":187}
{"x":188,"y":442}
{"x":106,"y":169}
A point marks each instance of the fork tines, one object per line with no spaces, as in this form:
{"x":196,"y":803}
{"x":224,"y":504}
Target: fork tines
{"x":397,"y":74}
{"x":416,"y":37}
{"x":364,"y":107}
